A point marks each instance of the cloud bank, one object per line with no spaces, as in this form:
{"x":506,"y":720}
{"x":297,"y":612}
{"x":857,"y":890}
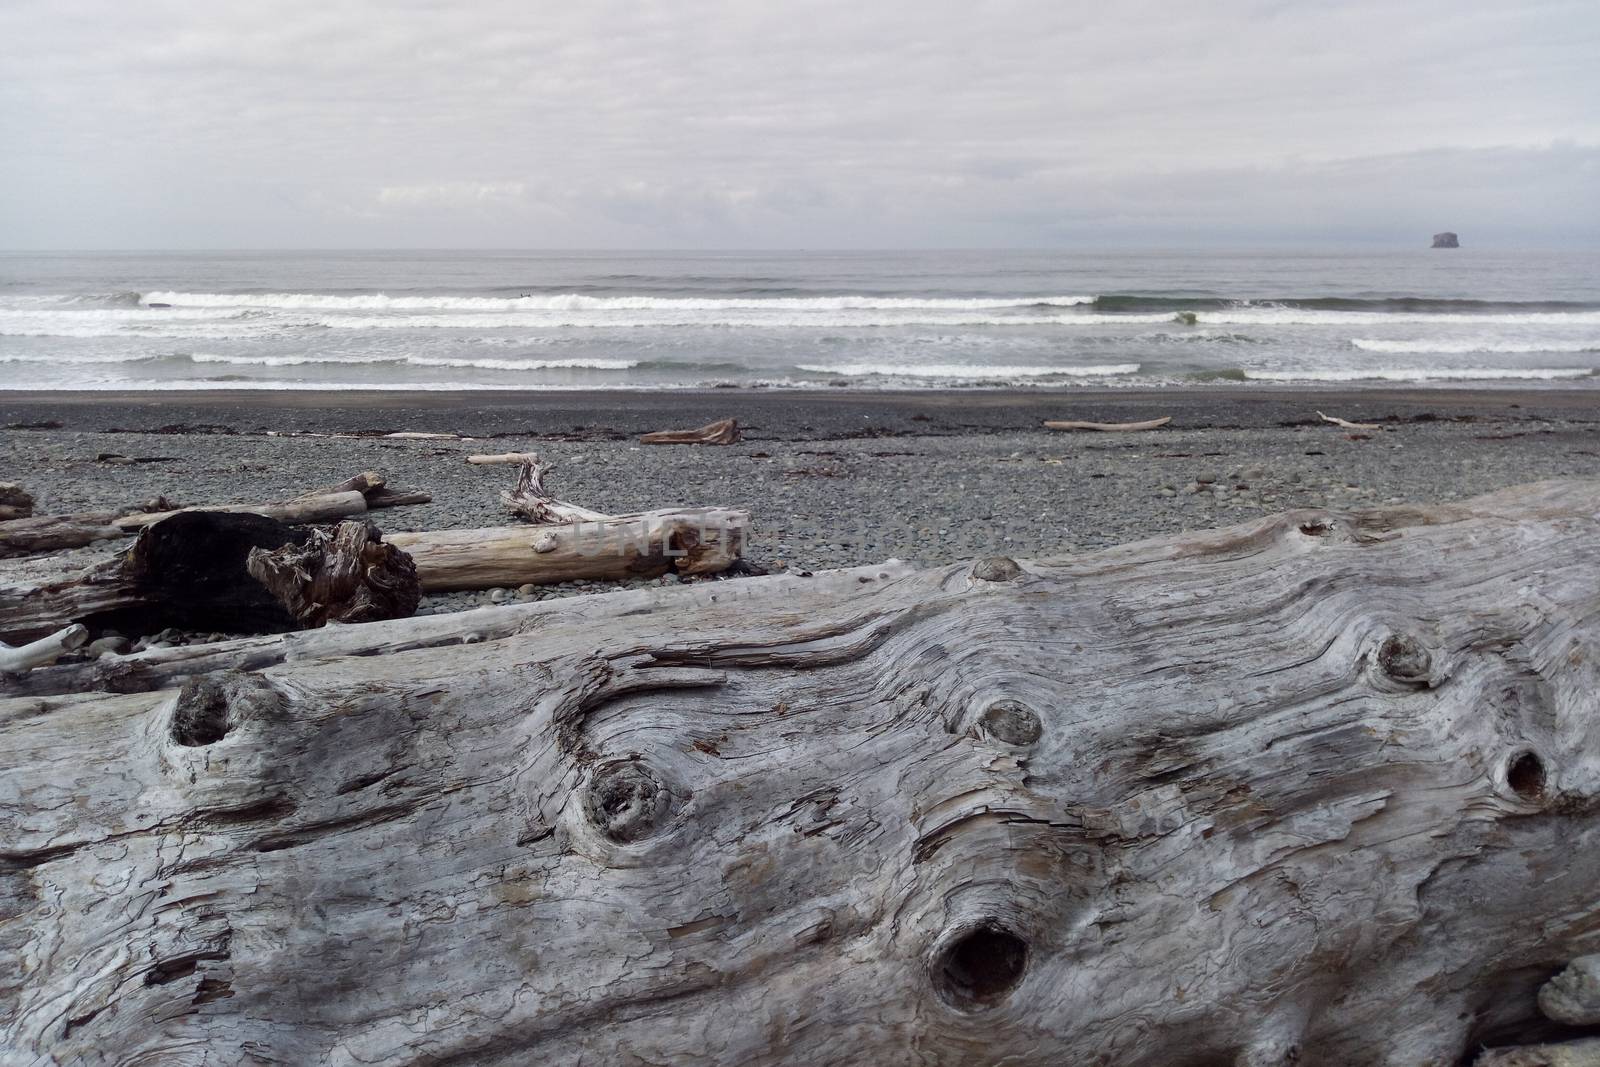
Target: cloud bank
{"x":504,"y":123}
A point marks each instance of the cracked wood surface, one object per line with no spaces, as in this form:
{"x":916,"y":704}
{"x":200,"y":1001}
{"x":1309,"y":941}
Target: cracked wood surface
{"x":1316,"y":790}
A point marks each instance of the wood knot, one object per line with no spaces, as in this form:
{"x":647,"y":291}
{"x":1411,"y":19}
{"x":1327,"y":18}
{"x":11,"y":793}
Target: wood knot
{"x":979,"y":965}
{"x":209,"y":707}
{"x":1010,"y":721}
{"x":627,"y":801}
{"x":1526,"y":777}
{"x":996,"y":569}
{"x":1405,"y":659}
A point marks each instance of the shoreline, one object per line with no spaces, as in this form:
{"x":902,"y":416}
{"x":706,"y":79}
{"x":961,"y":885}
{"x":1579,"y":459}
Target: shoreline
{"x":769,"y":414}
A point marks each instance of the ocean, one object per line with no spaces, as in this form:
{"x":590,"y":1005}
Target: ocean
{"x":863,"y":320}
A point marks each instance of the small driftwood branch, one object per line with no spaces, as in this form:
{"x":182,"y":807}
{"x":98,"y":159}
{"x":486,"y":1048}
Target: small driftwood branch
{"x":721,"y":432}
{"x":504,"y":457}
{"x":1109,"y":427}
{"x":531,"y":501}
{"x":1347,"y":424}
{"x":418,"y":435}
{"x":44,"y":651}
{"x":348,"y":575}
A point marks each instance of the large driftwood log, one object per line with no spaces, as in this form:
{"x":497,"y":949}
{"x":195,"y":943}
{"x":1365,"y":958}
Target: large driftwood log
{"x":1320,"y":790}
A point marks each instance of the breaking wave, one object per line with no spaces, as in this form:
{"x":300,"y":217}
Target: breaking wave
{"x":580,"y":302}
{"x":1466,"y":346}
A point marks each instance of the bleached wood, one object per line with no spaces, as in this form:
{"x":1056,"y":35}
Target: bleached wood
{"x":51,"y":533}
{"x":688,"y":541}
{"x":1317,"y":790}
{"x":504,"y":457}
{"x":1109,"y":427}
{"x":44,"y":651}
{"x":1347,"y":424}
{"x":310,"y":509}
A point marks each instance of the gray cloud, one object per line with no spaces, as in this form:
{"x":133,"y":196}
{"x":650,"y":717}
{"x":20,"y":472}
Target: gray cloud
{"x":816,"y":124}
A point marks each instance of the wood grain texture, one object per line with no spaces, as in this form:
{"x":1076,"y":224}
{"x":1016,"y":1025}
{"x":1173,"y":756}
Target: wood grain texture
{"x":1316,"y":790}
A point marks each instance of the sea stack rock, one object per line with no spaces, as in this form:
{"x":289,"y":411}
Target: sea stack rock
{"x":1445,"y":240}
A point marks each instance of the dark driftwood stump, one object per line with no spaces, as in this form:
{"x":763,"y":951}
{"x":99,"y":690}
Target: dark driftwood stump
{"x":1321,"y":790}
{"x":190,"y":571}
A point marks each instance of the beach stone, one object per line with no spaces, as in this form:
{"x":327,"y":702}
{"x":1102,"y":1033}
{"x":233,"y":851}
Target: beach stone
{"x":114,"y":644}
{"x":527,"y":589}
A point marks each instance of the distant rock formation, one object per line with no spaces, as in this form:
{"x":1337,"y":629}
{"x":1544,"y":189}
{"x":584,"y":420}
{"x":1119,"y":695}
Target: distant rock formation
{"x":1445,"y":240}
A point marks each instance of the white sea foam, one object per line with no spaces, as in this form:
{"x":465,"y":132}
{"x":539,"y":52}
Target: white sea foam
{"x":1460,"y":347}
{"x":1287,"y":316}
{"x":874,"y":317}
{"x":967,"y":371}
{"x":579,"y":302}
{"x":1421,"y":374}
{"x":419,"y":361}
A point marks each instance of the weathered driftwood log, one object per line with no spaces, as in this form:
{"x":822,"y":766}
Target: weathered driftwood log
{"x":159,"y":668}
{"x":348,"y":575}
{"x":190,"y":571}
{"x":687,"y":541}
{"x":567,"y":542}
{"x":15,"y":501}
{"x":721,"y":432}
{"x":51,"y":533}
{"x":301,"y":510}
{"x":42,"y":652}
{"x":504,"y":457}
{"x":1108,"y":427}
{"x":1320,"y":790}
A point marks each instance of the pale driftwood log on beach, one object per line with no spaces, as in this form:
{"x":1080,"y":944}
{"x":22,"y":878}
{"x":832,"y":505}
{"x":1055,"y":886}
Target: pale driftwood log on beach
{"x":1347,"y":424}
{"x":1109,"y":427}
{"x":567,"y":542}
{"x":44,"y":651}
{"x":504,"y":457}
{"x":1319,"y":790}
{"x":302,"y":510}
{"x":688,"y":541}
{"x":51,"y":533}
{"x":721,"y":432}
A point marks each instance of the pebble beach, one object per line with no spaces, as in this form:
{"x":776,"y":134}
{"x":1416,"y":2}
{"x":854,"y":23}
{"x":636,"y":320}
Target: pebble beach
{"x":830,"y":482}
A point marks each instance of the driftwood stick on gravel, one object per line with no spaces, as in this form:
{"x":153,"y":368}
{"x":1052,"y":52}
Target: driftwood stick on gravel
{"x":44,"y":651}
{"x":721,"y":432}
{"x":1109,"y":427}
{"x":348,"y":575}
{"x":1347,"y":424}
{"x":504,"y":457}
{"x":1319,"y":789}
{"x":531,"y":501}
{"x":375,"y":489}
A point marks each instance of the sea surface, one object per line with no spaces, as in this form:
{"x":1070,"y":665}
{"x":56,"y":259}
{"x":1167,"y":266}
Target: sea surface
{"x":864,"y":320}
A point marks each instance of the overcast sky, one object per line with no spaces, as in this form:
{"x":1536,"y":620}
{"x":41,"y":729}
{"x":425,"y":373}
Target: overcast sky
{"x":770,"y":123}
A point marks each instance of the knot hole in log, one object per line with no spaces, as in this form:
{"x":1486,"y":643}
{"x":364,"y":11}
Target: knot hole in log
{"x":210,"y":706}
{"x":1526,"y":777}
{"x":1010,"y":721}
{"x":627,"y":801}
{"x":996,"y":569}
{"x":1406,"y":660}
{"x":980,"y":965}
